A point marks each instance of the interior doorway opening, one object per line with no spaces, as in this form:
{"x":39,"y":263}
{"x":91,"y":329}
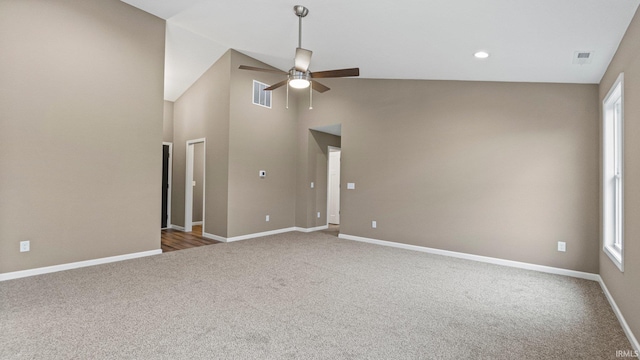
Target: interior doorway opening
{"x":194,"y":207}
{"x":167,"y":162}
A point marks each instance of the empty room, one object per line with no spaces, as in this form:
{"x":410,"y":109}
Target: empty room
{"x":338,"y":179}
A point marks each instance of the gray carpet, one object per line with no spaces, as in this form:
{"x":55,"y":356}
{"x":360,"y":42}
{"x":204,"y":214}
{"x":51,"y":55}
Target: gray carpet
{"x":305,"y":296}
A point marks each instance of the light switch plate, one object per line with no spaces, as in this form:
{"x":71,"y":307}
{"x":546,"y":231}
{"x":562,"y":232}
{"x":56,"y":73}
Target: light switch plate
{"x":374,"y":224}
{"x":351,"y":186}
{"x":312,"y":185}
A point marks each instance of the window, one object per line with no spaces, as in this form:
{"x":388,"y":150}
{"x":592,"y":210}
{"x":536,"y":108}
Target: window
{"x":613,"y":175}
{"x":261,"y":97}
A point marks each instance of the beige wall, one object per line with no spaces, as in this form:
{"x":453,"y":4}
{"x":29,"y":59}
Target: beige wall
{"x":203,"y":112}
{"x":260,"y":139}
{"x":243,"y":139}
{"x":625,"y":287}
{"x":167,"y":122}
{"x":81,"y":88}
{"x":503,"y":170}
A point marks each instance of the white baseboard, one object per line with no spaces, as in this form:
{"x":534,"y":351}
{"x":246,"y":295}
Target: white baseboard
{"x":485,"y":259}
{"x":260,"y":234}
{"x":176,"y":227}
{"x":196,"y":223}
{"x":308,"y":230}
{"x":75,"y":265}
{"x":623,"y":322}
{"x":214,"y":237}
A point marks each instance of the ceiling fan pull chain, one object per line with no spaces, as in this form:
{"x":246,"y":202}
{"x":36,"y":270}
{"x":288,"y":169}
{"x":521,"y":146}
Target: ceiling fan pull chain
{"x":310,"y":95}
{"x":287,"y":94}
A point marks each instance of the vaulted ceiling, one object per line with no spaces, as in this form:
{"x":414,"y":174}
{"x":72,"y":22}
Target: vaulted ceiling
{"x":528,"y":40}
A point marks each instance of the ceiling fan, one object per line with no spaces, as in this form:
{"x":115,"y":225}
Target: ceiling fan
{"x":299,"y":76}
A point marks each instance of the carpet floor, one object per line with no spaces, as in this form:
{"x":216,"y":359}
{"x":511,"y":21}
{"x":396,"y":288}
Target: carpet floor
{"x":305,"y":296}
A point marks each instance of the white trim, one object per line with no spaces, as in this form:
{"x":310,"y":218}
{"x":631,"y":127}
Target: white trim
{"x":176,"y":227}
{"x":260,"y":234}
{"x":264,"y":233}
{"x":188,"y":188}
{"x":308,"y":230}
{"x":214,"y":237}
{"x":485,"y":259}
{"x":616,"y":310}
{"x":196,"y":223}
{"x":76,"y":265}
{"x":170,"y":180}
{"x":329,"y":150}
{"x":607,"y":247}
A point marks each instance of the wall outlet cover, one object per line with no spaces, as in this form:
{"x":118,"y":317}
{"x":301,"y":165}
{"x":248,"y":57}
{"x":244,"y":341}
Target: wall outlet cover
{"x":25,"y":246}
{"x":562,"y":246}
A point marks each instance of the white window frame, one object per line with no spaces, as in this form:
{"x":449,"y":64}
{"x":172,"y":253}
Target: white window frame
{"x":613,"y":173}
{"x":263,"y":96}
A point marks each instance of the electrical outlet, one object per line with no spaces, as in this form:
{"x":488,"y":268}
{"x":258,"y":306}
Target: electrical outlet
{"x":312,"y":185}
{"x":267,"y":218}
{"x":562,"y":246}
{"x":374,"y":224}
{"x":25,"y":246}
{"x":318,"y":214}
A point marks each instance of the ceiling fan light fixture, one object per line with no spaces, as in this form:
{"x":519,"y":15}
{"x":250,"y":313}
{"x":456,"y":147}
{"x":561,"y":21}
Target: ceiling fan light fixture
{"x":299,"y":83}
{"x":298,"y":79}
{"x":481,"y":54}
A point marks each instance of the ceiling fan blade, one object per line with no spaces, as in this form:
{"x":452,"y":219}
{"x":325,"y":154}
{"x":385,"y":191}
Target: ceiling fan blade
{"x":275,"y":86}
{"x":245,"y":67}
{"x":336,"y":73}
{"x":319,"y":87}
{"x":303,"y":59}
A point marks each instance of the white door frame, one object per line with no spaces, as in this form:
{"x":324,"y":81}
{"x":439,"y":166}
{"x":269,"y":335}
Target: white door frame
{"x":170,"y":180}
{"x":188,"y":193}
{"x":329,"y":149}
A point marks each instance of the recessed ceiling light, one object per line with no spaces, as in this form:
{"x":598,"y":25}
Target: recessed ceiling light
{"x":481,"y":54}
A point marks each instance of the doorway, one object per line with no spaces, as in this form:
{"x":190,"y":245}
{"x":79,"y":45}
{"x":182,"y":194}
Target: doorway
{"x":167,"y":161}
{"x":333,"y":185}
{"x":194,"y":200}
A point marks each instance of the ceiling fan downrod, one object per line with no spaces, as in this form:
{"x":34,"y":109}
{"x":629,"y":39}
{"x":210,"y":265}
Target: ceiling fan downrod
{"x":300,"y":12}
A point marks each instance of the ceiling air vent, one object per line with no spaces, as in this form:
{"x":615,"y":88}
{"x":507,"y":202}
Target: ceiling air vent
{"x":582,"y":57}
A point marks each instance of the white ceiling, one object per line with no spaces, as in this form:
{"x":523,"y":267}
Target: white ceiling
{"x":529,"y":40}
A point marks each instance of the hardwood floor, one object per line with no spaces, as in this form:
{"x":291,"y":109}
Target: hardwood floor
{"x":173,"y":240}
